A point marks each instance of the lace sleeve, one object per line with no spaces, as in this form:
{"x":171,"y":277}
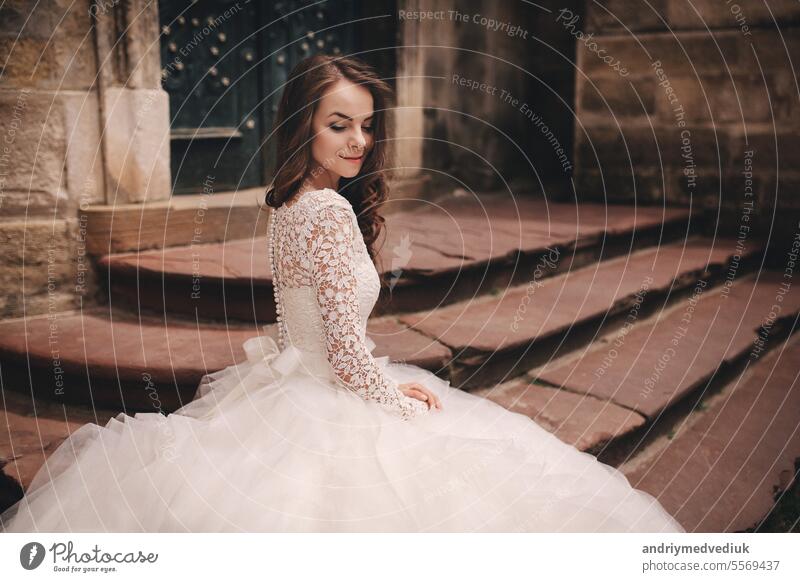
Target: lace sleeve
{"x":330,"y":246}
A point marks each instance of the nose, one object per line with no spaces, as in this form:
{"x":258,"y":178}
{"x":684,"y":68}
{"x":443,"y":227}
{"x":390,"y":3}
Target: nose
{"x":358,"y":141}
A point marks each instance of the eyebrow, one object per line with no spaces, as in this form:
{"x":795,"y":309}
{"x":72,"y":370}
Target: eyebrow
{"x":347,"y":116}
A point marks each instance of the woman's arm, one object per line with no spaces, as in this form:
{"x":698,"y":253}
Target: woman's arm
{"x":330,"y":246}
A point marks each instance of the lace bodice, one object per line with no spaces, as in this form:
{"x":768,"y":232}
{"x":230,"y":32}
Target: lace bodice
{"x":325,"y":289}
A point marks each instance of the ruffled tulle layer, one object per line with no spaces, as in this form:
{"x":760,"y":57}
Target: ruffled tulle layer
{"x":272,"y":444}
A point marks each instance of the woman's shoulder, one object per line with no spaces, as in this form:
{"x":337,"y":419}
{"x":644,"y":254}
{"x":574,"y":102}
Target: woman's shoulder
{"x":324,"y":208}
{"x":327,"y":197}
{"x":316,"y":201}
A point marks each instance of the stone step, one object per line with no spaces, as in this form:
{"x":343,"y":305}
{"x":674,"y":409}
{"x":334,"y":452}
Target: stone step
{"x":584,"y":422}
{"x":649,"y":367}
{"x":458,"y":249}
{"x":125,"y":362}
{"x":601,"y":400}
{"x":495,"y":338}
{"x":736,"y":451}
{"x":727,"y":466}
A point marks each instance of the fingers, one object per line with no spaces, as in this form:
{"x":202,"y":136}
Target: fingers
{"x":415,"y":393}
{"x":433,"y":400}
{"x":420,"y":392}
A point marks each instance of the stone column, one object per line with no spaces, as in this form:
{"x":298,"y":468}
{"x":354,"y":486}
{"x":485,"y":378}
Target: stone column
{"x":55,"y":156}
{"x":133,"y":107}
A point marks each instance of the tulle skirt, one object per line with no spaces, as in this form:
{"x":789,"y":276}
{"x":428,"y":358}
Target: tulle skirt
{"x":272,"y":444}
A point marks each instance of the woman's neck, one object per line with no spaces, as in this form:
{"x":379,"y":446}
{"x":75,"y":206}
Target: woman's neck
{"x":319,"y":179}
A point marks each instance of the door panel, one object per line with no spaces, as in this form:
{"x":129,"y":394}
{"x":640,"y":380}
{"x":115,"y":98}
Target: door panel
{"x":224,"y":64}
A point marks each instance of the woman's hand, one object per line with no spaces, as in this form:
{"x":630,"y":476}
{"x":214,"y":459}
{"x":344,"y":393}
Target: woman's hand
{"x":418,"y":391}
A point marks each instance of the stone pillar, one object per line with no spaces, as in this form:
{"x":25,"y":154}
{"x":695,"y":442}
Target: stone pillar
{"x":492,"y":93}
{"x":133,"y":106}
{"x":55,"y":157}
{"x":408,"y":115}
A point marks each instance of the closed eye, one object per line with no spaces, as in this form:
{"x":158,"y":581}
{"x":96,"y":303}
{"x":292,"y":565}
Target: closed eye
{"x":338,"y":128}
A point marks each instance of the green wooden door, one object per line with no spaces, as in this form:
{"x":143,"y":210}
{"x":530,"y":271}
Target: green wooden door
{"x":224,"y":64}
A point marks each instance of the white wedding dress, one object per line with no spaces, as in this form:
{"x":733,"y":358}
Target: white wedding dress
{"x":312,"y":433}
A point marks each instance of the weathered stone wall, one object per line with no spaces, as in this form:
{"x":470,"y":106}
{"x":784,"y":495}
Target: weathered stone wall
{"x":483,"y":81}
{"x":53,"y":104}
{"x":689,"y":103}
{"x":49,"y":129}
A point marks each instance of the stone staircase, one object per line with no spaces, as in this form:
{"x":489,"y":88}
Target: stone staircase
{"x":623,"y":330}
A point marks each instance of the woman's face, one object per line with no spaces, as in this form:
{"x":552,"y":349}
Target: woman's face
{"x":342,"y":129}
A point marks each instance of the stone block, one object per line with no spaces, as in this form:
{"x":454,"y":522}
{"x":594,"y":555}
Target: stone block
{"x":740,"y":15}
{"x":47,"y":45}
{"x":618,"y":97}
{"x":33,"y":146}
{"x":679,"y":55}
{"x":138,"y":145}
{"x":615,"y":16}
{"x":38,"y":267}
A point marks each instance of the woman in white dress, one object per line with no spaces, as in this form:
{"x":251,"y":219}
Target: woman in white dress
{"x":311,"y":432}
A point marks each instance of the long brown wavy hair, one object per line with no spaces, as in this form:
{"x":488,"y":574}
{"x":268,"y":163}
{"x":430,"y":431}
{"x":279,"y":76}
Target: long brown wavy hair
{"x":292,"y":134}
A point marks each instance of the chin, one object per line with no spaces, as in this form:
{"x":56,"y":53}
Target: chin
{"x":349,"y":172}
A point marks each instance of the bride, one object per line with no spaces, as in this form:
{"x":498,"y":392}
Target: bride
{"x":313,"y":433}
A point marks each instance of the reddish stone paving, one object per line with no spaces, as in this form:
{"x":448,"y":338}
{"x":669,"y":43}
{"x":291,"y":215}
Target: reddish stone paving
{"x":118,"y":353}
{"x":401,"y":344}
{"x":460,"y":230}
{"x":439,"y":243}
{"x":659,"y":362}
{"x":503,"y":211}
{"x":238,"y":259}
{"x":582,"y":421}
{"x":454,"y":235}
{"x":493,"y":227}
{"x":486,"y":324}
{"x":720,"y":474}
{"x":136,"y":356}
